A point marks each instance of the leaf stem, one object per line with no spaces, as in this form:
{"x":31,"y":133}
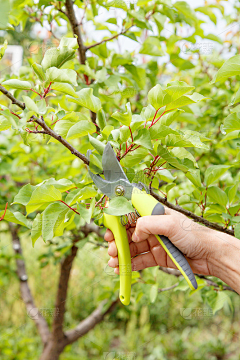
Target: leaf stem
{"x":70,"y":207}
{"x":2,"y":217}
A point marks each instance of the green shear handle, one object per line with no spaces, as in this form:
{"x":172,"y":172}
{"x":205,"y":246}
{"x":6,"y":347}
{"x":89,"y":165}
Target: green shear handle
{"x":125,"y":267}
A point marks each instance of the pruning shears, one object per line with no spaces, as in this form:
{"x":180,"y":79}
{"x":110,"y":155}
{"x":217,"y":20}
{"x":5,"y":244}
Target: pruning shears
{"x":115,"y":184}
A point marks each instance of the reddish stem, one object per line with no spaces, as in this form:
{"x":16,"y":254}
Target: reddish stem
{"x":70,"y":207}
{"x":2,"y":217}
{"x":46,"y":91}
{"x":153,"y":123}
{"x":37,"y":93}
{"x":15,"y":114}
{"x":131,"y":133}
{"x":86,"y":79}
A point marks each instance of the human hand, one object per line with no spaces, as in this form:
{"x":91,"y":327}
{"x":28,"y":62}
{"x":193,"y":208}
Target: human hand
{"x":196,"y":242}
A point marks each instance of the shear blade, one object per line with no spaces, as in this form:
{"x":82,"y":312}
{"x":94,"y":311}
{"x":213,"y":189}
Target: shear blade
{"x":112,"y":169}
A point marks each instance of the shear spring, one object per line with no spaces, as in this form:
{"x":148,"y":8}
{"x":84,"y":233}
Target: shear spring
{"x":130,"y":218}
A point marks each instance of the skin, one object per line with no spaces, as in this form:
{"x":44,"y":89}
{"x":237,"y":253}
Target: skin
{"x":209,"y":252}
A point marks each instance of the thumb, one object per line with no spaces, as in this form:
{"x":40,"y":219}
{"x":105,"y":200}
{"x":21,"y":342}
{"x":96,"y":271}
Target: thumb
{"x":156,"y":225}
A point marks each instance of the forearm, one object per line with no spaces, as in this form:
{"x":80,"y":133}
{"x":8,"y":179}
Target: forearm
{"x":225,"y":259}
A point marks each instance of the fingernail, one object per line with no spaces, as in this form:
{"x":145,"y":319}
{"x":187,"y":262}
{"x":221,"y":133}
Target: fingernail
{"x":135,"y":237}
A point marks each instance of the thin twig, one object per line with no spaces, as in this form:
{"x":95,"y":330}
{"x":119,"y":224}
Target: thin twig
{"x":109,"y":39}
{"x":191,"y":215}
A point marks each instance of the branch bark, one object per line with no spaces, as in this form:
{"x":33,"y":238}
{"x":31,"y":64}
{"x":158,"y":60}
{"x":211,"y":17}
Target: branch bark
{"x":76,"y":30}
{"x":26,"y":294}
{"x":89,"y":323}
{"x":191,"y":215}
{"x":66,"y":265}
{"x":12,"y":98}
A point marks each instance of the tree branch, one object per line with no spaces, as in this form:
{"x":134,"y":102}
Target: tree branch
{"x":66,"y":265}
{"x":46,"y":128}
{"x":191,"y":215}
{"x":26,"y":294}
{"x":76,"y":30}
{"x":89,"y":323}
{"x":12,"y":98}
{"x":177,"y":273}
{"x":109,"y":39}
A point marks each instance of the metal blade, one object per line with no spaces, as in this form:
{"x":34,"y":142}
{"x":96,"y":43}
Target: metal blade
{"x":112,"y":169}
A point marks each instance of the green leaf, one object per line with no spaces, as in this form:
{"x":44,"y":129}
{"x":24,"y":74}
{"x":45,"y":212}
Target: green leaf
{"x":42,"y":195}
{"x":118,"y":206}
{"x":194,"y":177}
{"x":143,"y":138}
{"x":165,"y":154}
{"x":61,"y":184}
{"x":36,"y":231}
{"x":62,"y":127}
{"x":85,"y":213}
{"x":30,"y":104}
{"x":39,"y":71}
{"x":184,"y":8}
{"x":230,"y":68}
{"x":16,"y":218}
{"x":86,"y":99}
{"x":217,"y":195}
{"x":65,"y":88}
{"x":5,"y":124}
{"x":120,"y":4}
{"x":124,"y":118}
{"x":182,"y":154}
{"x":159,"y":20}
{"x":17,"y":84}
{"x":184,"y":100}
{"x":155,"y":97}
{"x":101,"y":119}
{"x":148,"y":112}
{"x":56,"y":57}
{"x":168,"y":118}
{"x":80,"y":129}
{"x":134,"y":157}
{"x":62,"y":75}
{"x":95,"y":165}
{"x":153,"y":293}
{"x":82,"y":194}
{"x":3,"y":49}
{"x":176,"y":89}
{"x":214,"y":172}
{"x":217,"y":300}
{"x":232,"y":123}
{"x":42,"y":108}
{"x":151,"y":46}
{"x":207,"y":11}
{"x":232,"y":192}
{"x":237,"y":231}
{"x":98,"y":145}
{"x":24,"y":195}
{"x":52,"y":217}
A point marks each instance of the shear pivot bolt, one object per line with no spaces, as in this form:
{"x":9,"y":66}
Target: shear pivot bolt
{"x":119,"y":190}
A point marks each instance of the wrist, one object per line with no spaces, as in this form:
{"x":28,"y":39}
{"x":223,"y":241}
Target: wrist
{"x":224,"y":259}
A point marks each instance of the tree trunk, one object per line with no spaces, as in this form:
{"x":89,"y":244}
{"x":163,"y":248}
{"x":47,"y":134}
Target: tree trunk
{"x":53,"y":349}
